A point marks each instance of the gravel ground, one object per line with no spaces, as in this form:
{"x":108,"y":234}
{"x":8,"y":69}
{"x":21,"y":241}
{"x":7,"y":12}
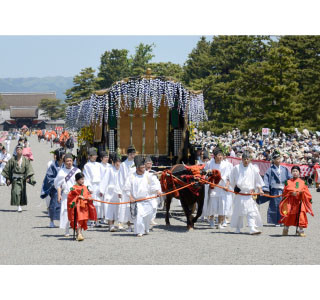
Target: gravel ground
{"x":25,"y":238}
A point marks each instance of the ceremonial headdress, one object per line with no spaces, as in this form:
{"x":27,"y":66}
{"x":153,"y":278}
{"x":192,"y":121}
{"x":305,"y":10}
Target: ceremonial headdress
{"x":131,"y":149}
{"x":112,"y":156}
{"x":205,"y":154}
{"x":104,"y":153}
{"x":216,"y":151}
{"x":246,"y":154}
{"x":92,"y":152}
{"x":59,"y":153}
{"x":116,"y":158}
{"x":139,"y":161}
{"x":68,"y":155}
{"x":275,"y":155}
{"x":148,"y":159}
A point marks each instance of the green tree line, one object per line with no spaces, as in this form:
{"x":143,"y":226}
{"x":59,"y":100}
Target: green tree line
{"x":247,"y":81}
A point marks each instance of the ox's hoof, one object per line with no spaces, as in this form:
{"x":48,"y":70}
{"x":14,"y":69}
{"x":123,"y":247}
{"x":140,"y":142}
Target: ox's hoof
{"x":190,"y":229}
{"x":168,"y":224}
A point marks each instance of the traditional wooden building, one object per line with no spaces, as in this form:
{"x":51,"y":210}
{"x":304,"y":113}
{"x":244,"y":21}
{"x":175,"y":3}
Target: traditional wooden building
{"x":20,"y":109}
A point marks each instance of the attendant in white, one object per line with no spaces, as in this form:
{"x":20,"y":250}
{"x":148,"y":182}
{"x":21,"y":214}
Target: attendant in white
{"x":92,"y":180}
{"x":155,"y":202}
{"x":229,"y":200}
{"x":4,"y":158}
{"x":64,"y":181}
{"x":111,"y":192}
{"x":140,"y":185}
{"x":218,"y":197}
{"x":244,"y":178}
{"x":104,"y":165}
{"x":8,"y":144}
{"x":205,"y":160}
{"x":233,"y":153}
{"x":126,"y":168}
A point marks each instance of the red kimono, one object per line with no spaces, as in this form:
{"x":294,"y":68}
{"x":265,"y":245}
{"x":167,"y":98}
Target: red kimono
{"x":85,"y":208}
{"x":290,"y":205}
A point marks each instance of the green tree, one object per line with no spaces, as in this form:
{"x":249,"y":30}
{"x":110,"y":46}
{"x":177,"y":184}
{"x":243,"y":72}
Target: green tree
{"x":140,"y":60}
{"x":84,"y":84}
{"x":215,"y":72}
{"x":267,"y":93}
{"x":306,"y":49}
{"x":198,"y":64}
{"x":52,"y":108}
{"x":167,"y":69}
{"x":114,"y":65}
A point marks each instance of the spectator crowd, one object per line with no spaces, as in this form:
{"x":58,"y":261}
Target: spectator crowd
{"x":295,"y":148}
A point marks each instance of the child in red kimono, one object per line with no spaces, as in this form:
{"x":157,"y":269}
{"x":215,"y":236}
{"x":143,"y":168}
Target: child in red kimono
{"x":80,"y":196}
{"x":296,"y":204}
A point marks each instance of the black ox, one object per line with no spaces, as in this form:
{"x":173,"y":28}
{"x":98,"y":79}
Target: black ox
{"x":190,"y":197}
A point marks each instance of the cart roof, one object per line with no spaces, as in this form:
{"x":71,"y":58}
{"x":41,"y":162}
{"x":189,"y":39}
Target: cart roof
{"x":137,"y":92}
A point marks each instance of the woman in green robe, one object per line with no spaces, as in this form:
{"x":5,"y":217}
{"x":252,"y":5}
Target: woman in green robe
{"x":18,"y":171}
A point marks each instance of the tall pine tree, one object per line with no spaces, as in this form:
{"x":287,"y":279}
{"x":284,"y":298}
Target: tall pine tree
{"x":84,"y":84}
{"x":306,"y":50}
{"x":267,"y":93}
{"x":140,"y":60}
{"x":114,"y":65}
{"x":227,"y":54}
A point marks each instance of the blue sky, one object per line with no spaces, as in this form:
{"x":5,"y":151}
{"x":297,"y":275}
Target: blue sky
{"x":40,"y":56}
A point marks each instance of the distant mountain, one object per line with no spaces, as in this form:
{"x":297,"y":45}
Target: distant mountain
{"x":58,"y":84}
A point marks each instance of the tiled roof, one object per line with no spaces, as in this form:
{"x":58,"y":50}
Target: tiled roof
{"x":23,"y":112}
{"x":25,"y":99}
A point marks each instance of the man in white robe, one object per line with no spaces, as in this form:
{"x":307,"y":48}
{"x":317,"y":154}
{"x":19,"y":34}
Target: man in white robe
{"x":92,"y":178}
{"x":217,"y":203}
{"x":141,"y":185}
{"x":111,"y":192}
{"x":64,"y":181}
{"x":206,"y":161}
{"x":127,"y":168}
{"x":155,"y":202}
{"x":229,"y":200}
{"x":104,"y":166}
{"x":4,"y":158}
{"x":8,"y":141}
{"x":244,"y":178}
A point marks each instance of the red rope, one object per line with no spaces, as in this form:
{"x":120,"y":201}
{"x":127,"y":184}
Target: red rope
{"x":242,"y":194}
{"x":143,"y":199}
{"x":177,"y":180}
